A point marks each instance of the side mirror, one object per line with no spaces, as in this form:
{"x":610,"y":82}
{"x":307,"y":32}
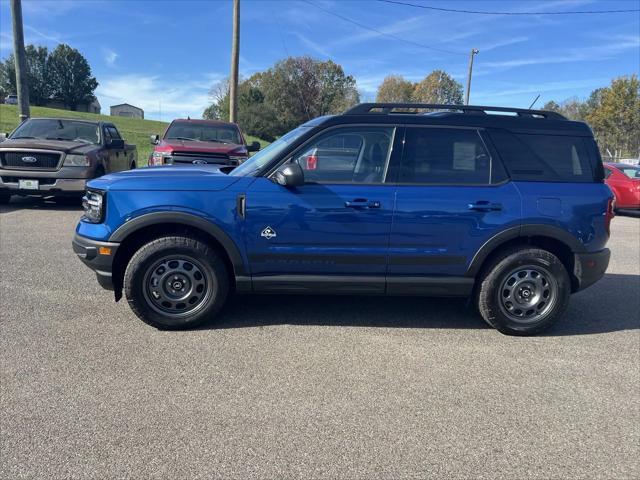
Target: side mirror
{"x":3,"y":137}
{"x":289,"y":175}
{"x":155,"y":139}
{"x":117,"y":143}
{"x":254,"y":147}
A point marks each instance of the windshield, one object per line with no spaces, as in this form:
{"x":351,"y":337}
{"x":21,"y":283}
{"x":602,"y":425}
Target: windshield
{"x":52,"y":129}
{"x":201,"y":132}
{"x":631,"y":172}
{"x":263,"y":157}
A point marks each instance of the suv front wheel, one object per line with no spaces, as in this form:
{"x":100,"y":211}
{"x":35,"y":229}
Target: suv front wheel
{"x":176,"y":282}
{"x":523,"y":291}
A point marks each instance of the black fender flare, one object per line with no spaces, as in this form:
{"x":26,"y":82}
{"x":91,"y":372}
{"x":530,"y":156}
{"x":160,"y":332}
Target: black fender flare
{"x":522,"y":231}
{"x":188,"y":219}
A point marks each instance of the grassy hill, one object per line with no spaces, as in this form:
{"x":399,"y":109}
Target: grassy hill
{"x":132,"y":129}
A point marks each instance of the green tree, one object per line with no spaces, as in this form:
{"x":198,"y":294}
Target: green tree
{"x":38,"y":74}
{"x":38,"y":78}
{"x":293,"y":91}
{"x":8,"y":75}
{"x":394,"y":88}
{"x":71,"y":79}
{"x":438,"y":87}
{"x":616,"y":118}
{"x":552,"y":106}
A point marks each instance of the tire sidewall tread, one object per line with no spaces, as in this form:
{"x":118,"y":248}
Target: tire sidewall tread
{"x":493,"y":276}
{"x":175,"y":244}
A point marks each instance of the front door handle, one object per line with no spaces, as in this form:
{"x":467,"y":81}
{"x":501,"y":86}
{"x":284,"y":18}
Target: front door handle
{"x":485,"y":206}
{"x":362,"y":203}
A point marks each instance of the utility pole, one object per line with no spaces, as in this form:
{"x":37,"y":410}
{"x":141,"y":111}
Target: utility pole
{"x":474,"y":52}
{"x":235,"y":55}
{"x":20,"y":60}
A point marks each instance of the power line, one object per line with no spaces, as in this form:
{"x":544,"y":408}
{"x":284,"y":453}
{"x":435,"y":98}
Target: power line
{"x":479,"y":12}
{"x":286,"y":50}
{"x":380,"y":32}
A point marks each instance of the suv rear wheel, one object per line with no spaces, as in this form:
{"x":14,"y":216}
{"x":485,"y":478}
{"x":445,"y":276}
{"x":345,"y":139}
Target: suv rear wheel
{"x":176,"y":282}
{"x":524,"y":291}
{"x":4,"y":198}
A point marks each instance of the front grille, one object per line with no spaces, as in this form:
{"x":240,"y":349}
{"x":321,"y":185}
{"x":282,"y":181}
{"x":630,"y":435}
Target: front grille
{"x":190,"y":157}
{"x":35,"y":160}
{"x":42,"y":181}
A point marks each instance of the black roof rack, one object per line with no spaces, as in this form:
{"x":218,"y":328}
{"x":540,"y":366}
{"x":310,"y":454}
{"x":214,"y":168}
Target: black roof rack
{"x":403,"y":108}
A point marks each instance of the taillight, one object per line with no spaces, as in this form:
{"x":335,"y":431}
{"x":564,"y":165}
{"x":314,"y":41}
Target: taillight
{"x":609,"y":214}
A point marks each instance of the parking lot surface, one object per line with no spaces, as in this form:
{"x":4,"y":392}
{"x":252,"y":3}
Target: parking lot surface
{"x":306,"y":387}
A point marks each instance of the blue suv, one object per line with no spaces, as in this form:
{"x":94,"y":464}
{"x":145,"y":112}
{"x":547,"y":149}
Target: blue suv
{"x":506,"y":206}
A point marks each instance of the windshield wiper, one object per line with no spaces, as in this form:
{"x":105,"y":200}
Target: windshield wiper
{"x":15,"y":138}
{"x":185,"y":138}
{"x":58,"y":138}
{"x":218,"y":141}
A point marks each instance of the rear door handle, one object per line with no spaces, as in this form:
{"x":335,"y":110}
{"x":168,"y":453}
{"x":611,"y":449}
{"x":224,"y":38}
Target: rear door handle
{"x":362,"y":203}
{"x":485,"y":206}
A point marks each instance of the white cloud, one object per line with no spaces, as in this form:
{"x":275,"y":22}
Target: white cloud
{"x":522,"y":95}
{"x":159,"y":96}
{"x":501,"y":43}
{"x":599,"y":52}
{"x":316,"y":47}
{"x":53,"y":37}
{"x":109,"y":56}
{"x":6,"y":41}
{"x":49,"y":8}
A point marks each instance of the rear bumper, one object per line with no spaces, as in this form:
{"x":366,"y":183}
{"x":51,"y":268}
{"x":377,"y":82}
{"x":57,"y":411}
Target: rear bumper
{"x":590,"y":267}
{"x":93,"y":254}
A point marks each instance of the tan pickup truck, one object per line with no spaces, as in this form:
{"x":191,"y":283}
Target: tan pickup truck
{"x":56,"y":156}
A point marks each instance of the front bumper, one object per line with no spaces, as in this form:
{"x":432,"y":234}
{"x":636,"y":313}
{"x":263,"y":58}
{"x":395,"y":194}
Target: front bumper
{"x":590,"y":267}
{"x":93,"y":254}
{"x":66,"y":180}
{"x":59,"y":186}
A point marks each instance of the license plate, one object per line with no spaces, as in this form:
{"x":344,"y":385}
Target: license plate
{"x":28,"y":184}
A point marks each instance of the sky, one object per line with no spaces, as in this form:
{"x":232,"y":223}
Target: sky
{"x":164,"y":56}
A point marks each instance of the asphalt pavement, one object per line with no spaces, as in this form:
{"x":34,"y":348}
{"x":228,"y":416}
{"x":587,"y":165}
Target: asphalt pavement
{"x":306,"y":387}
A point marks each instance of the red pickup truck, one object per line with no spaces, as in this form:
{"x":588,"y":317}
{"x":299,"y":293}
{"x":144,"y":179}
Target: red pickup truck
{"x":187,"y":142}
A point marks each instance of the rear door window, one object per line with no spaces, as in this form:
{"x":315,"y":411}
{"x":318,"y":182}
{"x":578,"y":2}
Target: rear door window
{"x":444,"y":156}
{"x":544,"y":158}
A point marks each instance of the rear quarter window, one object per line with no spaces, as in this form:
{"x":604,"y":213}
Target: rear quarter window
{"x":546,"y":158}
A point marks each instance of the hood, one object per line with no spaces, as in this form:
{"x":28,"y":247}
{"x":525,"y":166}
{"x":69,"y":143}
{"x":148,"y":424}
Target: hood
{"x":194,"y":146}
{"x":57,"y":145}
{"x":183,"y":178}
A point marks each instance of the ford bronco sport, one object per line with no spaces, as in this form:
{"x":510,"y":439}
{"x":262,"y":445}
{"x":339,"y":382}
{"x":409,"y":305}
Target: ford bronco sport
{"x":506,"y":206}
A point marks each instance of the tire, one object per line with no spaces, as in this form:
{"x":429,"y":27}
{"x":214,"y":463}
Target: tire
{"x":99,"y":172}
{"x":132,"y":166}
{"x":4,"y":199}
{"x":523,"y":291}
{"x":176,"y":282}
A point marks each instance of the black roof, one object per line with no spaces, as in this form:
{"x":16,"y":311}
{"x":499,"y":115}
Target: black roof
{"x":514,"y":119}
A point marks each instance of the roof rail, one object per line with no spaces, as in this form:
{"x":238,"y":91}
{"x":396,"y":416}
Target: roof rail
{"x":388,"y":108}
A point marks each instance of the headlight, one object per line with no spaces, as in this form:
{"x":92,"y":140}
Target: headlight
{"x":93,"y":204}
{"x":160,"y":158}
{"x":72,"y":160}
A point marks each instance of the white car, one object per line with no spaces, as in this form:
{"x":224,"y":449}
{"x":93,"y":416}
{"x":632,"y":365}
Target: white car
{"x":11,"y":100}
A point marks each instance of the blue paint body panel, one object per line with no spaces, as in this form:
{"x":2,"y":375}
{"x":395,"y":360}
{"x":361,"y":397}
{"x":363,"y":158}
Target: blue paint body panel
{"x":315,"y":232}
{"x":436,"y":233}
